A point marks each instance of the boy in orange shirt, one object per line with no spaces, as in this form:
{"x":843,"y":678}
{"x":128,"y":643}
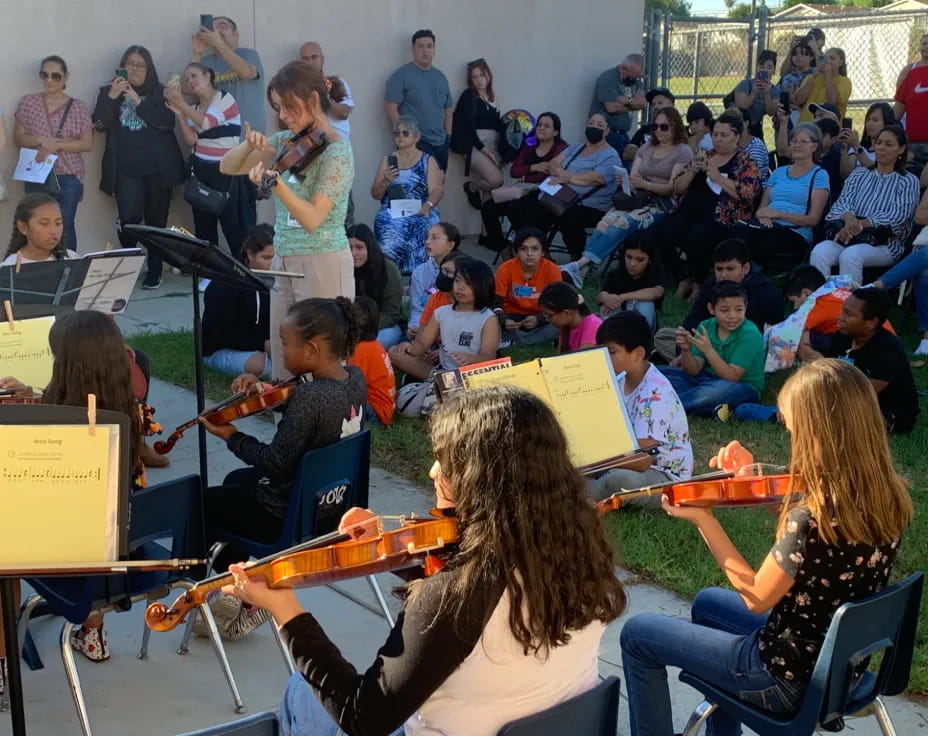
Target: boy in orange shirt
{"x":375,"y":364}
{"x":519,"y":282}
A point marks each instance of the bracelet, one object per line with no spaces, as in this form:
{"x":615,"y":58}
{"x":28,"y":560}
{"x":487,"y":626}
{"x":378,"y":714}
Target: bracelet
{"x":430,"y":204}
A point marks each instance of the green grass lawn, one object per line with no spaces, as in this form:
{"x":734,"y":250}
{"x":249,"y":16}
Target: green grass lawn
{"x":660,"y":549}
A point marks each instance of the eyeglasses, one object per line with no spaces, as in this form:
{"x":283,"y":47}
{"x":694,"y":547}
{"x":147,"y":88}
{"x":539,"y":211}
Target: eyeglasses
{"x":664,"y":127}
{"x":402,"y":133}
{"x":56,"y":76}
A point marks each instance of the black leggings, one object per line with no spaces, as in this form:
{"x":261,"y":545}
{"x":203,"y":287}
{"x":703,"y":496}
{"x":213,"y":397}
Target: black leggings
{"x":683,"y":232}
{"x":234,"y":507}
{"x":139,"y":197}
{"x":776,"y":245}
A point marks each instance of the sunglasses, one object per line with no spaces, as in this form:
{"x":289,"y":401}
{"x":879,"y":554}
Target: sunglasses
{"x":401,"y":134}
{"x":664,"y":127}
{"x":56,"y":76}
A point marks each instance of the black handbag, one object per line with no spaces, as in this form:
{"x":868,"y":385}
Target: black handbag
{"x":879,"y":235}
{"x":630,"y":202}
{"x":51,"y":184}
{"x":204,"y":198}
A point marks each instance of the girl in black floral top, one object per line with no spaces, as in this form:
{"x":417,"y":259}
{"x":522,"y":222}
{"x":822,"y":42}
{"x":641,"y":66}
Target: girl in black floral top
{"x":837,"y":544}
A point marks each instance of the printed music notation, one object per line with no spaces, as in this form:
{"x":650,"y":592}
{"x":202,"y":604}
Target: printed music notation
{"x":28,"y":354}
{"x":28,"y":476}
{"x":24,"y":351}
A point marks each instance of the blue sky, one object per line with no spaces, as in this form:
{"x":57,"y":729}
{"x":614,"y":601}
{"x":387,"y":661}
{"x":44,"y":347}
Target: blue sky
{"x":706,"y":6}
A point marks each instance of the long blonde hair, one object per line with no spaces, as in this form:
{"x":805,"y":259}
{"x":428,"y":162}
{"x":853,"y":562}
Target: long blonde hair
{"x":840,"y":450}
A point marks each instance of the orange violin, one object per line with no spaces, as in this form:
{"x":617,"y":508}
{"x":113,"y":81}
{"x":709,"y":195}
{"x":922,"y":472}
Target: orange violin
{"x":12,"y":396}
{"x":320,"y":562}
{"x":751,"y":487}
{"x":235,"y":407}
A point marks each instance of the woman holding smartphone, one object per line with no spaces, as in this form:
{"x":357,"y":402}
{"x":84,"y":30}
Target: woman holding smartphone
{"x":142,"y":161}
{"x":829,"y":83}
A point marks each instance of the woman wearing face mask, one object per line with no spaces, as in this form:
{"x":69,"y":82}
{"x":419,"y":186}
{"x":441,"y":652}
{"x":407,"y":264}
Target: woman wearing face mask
{"x":142,"y":161}
{"x":56,"y":124}
{"x":311,"y":203}
{"x":590,"y":169}
{"x":829,"y":83}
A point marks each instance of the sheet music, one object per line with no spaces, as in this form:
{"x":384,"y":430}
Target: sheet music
{"x":30,"y":170}
{"x":24,"y":351}
{"x":110,"y":279}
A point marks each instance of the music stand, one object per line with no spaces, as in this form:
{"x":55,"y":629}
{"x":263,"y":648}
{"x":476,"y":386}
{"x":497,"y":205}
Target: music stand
{"x":11,"y":414}
{"x":198,"y":259}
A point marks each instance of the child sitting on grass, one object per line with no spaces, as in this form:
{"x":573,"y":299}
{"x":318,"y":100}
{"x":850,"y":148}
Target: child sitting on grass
{"x":375,"y":364}
{"x":519,"y":282}
{"x":653,"y":407}
{"x":563,"y":306}
{"x":442,"y":238}
{"x":722,"y":360}
{"x":636,"y":285}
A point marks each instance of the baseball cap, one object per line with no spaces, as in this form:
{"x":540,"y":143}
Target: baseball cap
{"x":826,"y":107}
{"x":662,"y":91}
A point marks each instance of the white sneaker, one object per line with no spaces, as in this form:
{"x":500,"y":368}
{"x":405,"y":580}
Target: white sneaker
{"x":922,"y":348}
{"x":572,"y":270}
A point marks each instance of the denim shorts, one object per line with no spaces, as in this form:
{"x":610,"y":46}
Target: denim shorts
{"x":232,"y":362}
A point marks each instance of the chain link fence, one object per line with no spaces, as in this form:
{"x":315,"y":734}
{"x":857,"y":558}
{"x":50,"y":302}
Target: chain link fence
{"x":705,"y":58}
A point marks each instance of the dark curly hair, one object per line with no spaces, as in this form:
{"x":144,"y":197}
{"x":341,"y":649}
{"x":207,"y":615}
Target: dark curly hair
{"x":524,"y":518}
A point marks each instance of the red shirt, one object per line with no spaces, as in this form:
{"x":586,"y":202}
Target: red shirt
{"x":436,"y":299}
{"x":375,"y":364}
{"x":37,"y":120}
{"x":520,"y":295}
{"x":913,"y":93}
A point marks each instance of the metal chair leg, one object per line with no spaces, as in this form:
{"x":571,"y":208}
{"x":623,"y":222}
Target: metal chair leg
{"x":698,"y":718}
{"x":378,"y":594}
{"x":221,"y":656}
{"x":882,"y":718}
{"x":146,"y":635}
{"x":74,"y":680}
{"x":284,"y":649}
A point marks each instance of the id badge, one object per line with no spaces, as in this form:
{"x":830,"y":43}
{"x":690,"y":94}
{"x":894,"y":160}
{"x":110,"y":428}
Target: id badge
{"x":846,"y":358}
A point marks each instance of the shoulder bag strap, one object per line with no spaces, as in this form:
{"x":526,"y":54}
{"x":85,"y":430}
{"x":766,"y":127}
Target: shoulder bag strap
{"x":812,"y":186}
{"x":594,"y":189}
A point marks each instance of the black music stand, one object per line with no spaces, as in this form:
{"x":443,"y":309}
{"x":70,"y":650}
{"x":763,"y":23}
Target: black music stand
{"x":47,"y":414}
{"x":198,"y":259}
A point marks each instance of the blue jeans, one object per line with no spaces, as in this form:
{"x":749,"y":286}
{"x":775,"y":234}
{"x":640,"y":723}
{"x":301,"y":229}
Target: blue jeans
{"x":389,"y":336}
{"x":601,"y":244}
{"x":648,"y":310}
{"x":72,"y":192}
{"x":702,"y":393}
{"x":232,"y":362}
{"x":301,"y":713}
{"x":718,"y":646}
{"x":913,"y":266}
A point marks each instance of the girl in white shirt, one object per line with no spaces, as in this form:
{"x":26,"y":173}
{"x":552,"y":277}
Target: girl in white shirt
{"x":38,"y":231}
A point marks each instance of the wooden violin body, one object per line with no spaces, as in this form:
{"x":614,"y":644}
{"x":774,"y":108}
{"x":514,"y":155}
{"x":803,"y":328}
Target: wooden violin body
{"x":235,"y":407}
{"x":10,"y":396}
{"x":411,"y":544}
{"x":296,"y":156}
{"x":721,"y":489}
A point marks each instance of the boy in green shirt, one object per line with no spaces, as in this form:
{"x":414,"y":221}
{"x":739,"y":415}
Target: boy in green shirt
{"x":722,"y":360}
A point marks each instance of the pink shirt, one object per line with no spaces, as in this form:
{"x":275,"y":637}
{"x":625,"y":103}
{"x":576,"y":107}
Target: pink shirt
{"x":34,"y":116}
{"x":584,"y":333}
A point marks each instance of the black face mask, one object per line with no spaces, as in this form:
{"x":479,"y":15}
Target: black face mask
{"x":629,"y":81}
{"x":444,"y":282}
{"x":593,"y":134}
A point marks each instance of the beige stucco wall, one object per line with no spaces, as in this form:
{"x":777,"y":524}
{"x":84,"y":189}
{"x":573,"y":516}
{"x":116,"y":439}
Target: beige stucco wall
{"x":545,"y":54}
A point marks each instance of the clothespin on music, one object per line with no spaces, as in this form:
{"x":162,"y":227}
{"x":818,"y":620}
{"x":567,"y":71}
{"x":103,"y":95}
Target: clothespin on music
{"x":8,"y":309}
{"x":19,"y":260}
{"x":91,"y":413}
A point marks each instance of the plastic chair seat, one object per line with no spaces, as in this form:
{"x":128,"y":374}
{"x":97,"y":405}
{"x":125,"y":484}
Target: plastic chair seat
{"x":260,"y":724}
{"x":593,"y":713}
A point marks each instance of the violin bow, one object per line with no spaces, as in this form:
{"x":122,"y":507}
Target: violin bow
{"x":652,"y":490}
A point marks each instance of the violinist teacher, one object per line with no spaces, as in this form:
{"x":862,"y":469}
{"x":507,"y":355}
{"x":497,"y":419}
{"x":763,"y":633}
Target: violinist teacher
{"x":311,"y":197}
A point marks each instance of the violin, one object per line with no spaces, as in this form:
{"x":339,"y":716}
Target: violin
{"x":235,"y":407}
{"x":326,"y":560}
{"x":297,"y":154}
{"x":751,"y":488}
{"x":13,"y":396}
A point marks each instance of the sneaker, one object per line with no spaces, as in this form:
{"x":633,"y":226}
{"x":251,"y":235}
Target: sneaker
{"x":146,"y":284}
{"x":722,"y":413}
{"x":92,"y":643}
{"x":249,"y":618}
{"x":505,"y":343}
{"x":225,"y":609}
{"x":572,"y":271}
{"x":755,"y":413}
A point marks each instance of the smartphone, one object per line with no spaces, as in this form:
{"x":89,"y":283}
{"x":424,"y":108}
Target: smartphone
{"x":847,"y":123}
{"x":206,"y":21}
{"x":822,"y":59}
{"x":784,"y":100}
{"x":122,"y":72}
{"x":763,"y":75}
{"x":393,"y":162}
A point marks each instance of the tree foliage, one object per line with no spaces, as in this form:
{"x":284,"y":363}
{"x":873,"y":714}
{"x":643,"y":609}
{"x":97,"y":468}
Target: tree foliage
{"x":679,"y":8}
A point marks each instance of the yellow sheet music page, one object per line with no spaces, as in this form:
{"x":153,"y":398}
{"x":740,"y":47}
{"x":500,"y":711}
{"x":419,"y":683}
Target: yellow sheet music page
{"x":24,"y":351}
{"x":58,"y":493}
{"x":583,"y":394}
{"x":525,"y":375}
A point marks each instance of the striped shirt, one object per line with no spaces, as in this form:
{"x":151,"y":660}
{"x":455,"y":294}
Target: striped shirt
{"x":757,"y":150}
{"x":221,"y":128}
{"x":883,"y":199}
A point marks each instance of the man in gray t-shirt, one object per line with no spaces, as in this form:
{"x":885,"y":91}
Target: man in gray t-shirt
{"x":238,"y":70}
{"x":420,"y":91}
{"x":619,"y":94}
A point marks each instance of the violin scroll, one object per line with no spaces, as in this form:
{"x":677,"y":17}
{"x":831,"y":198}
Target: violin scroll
{"x":158,"y":617}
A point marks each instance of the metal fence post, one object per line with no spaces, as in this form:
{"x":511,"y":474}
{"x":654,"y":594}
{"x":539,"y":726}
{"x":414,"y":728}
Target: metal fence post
{"x":696,"y":57}
{"x":762,"y":30}
{"x":665,"y":49}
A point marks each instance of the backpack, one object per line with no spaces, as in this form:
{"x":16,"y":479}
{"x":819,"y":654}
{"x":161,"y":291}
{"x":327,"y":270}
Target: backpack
{"x":515,"y":126}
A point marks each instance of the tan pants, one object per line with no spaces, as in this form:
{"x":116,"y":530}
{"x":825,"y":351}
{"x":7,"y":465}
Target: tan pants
{"x":325,"y":275}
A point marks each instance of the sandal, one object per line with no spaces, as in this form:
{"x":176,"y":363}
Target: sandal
{"x":473,"y":198}
{"x":92,"y":643}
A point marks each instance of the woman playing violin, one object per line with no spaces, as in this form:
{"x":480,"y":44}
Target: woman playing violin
{"x":311,"y":195}
{"x":513,"y":622}
{"x":838,"y":543}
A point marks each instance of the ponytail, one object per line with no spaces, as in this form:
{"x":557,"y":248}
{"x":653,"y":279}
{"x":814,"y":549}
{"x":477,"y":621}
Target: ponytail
{"x":335,"y":320}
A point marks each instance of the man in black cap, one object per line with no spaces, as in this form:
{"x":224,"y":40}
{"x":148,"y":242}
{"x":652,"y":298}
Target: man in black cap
{"x":657,"y":98}
{"x":822,"y":110}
